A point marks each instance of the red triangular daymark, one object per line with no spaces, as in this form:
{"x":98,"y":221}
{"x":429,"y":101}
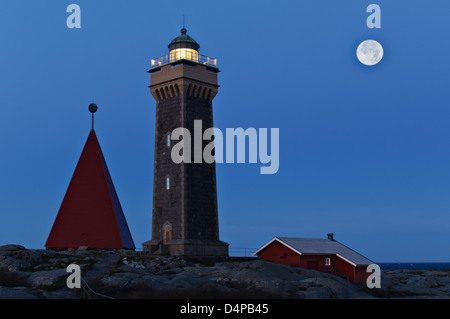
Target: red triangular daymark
{"x":90,"y":214}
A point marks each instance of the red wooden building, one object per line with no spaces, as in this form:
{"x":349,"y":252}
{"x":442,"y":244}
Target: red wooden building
{"x":322,"y":254}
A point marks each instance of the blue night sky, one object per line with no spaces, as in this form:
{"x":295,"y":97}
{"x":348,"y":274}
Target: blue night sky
{"x":364,"y":151}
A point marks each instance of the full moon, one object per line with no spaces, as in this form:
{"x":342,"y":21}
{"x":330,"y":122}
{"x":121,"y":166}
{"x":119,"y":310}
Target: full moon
{"x":369,"y":52}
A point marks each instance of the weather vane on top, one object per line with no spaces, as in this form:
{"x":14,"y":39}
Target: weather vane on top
{"x":93,"y":108}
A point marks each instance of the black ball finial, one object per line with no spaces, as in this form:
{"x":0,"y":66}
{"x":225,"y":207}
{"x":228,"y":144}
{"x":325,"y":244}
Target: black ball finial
{"x":183,"y":31}
{"x":93,"y":108}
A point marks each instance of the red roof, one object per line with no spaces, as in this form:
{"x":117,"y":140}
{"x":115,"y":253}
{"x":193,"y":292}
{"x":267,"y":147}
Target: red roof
{"x":317,"y":246}
{"x":90,"y":214}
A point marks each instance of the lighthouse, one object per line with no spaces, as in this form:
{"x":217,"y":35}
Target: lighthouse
{"x":185,"y":212}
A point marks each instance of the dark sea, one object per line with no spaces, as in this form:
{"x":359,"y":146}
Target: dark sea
{"x":415,"y":266}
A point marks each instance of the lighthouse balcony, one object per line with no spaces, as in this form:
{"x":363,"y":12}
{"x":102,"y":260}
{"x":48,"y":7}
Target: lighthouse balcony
{"x":183,"y":54}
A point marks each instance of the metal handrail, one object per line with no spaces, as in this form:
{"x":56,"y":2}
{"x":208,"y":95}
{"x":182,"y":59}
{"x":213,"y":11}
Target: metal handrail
{"x":243,"y":252}
{"x":89,"y":292}
{"x":197,"y":58}
{"x":233,"y":251}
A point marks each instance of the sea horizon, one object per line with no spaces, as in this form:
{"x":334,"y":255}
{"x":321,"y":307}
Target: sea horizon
{"x":414,"y":265}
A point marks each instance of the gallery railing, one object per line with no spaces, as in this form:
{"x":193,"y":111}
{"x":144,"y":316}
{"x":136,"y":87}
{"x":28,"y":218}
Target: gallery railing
{"x":197,"y":58}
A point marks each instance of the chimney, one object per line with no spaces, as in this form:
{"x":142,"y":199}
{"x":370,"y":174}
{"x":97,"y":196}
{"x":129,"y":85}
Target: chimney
{"x":330,"y":236}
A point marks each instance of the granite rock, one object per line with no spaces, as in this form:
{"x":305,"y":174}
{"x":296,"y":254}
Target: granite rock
{"x":42,"y":274}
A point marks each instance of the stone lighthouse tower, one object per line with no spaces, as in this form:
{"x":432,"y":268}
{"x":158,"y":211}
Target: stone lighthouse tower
{"x":185,"y":215}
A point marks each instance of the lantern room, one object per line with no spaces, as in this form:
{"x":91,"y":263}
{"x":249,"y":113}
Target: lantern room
{"x":183,"y":47}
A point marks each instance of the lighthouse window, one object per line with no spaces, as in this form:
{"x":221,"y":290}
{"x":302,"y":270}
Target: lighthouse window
{"x":167,"y":183}
{"x":184,"y":53}
{"x":168,"y":140}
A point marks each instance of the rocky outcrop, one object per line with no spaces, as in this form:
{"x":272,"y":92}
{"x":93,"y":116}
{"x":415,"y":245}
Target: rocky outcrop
{"x":414,"y":284}
{"x":11,"y":248}
{"x":46,"y":278}
{"x":121,"y":274}
{"x":17,"y":293}
{"x":16,"y":257}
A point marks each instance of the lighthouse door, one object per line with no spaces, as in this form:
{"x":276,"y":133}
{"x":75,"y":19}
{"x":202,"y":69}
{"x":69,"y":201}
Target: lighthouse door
{"x":167,"y":229}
